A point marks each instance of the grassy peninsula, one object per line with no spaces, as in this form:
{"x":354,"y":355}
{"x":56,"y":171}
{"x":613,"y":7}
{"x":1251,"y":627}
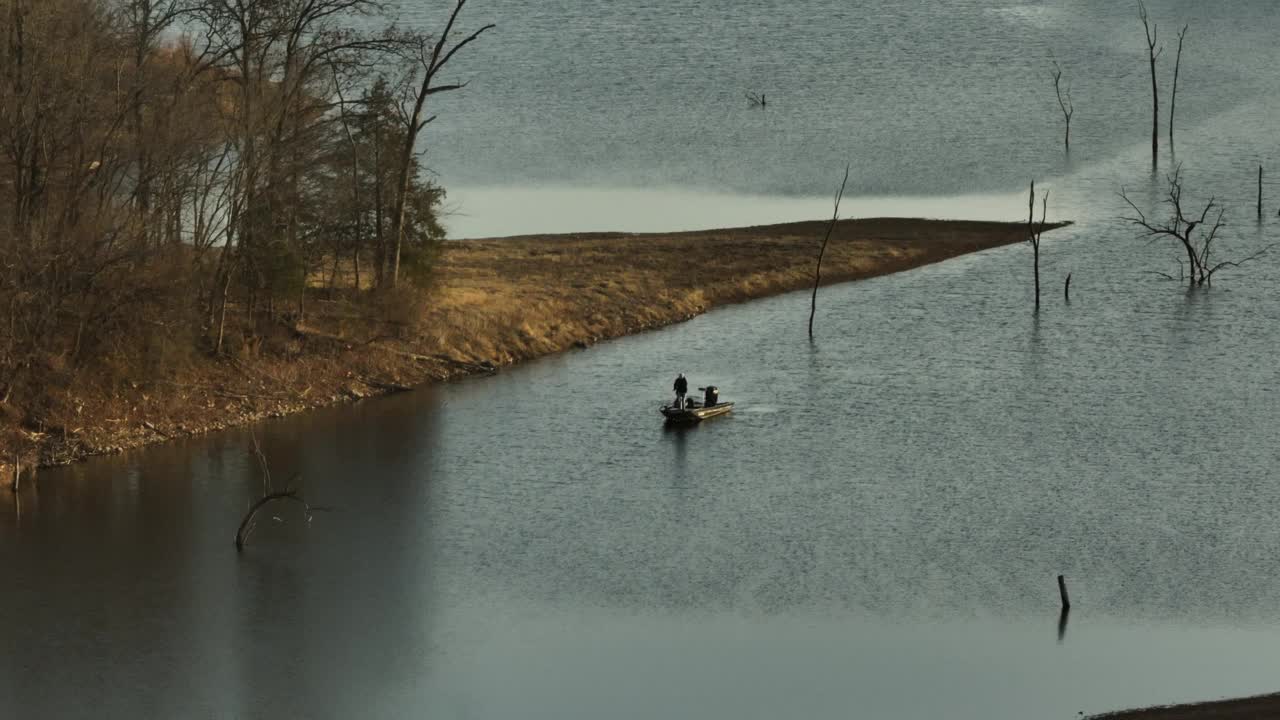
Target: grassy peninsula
{"x":493,"y":303}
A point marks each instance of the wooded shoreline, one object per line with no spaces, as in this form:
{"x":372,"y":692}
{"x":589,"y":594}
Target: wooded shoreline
{"x":495,"y":302}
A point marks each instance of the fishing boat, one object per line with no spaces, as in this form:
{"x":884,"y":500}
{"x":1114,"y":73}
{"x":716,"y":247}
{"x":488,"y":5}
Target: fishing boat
{"x":695,"y":410}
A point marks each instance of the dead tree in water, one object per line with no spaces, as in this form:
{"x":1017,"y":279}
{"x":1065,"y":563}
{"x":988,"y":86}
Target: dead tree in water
{"x":1064,"y":102}
{"x":1153,"y":36}
{"x":269,"y":495}
{"x":1034,"y":232}
{"x":757,"y":100}
{"x":1173,"y":96}
{"x":1195,"y":233}
{"x":817,"y":271}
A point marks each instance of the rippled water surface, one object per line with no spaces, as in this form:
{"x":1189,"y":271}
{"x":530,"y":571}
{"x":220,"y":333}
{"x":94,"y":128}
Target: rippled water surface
{"x":876,"y":529}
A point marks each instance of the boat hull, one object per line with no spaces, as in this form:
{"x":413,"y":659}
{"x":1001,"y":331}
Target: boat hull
{"x":693,"y":415}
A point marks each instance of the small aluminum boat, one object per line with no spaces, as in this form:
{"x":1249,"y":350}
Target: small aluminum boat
{"x":697,"y":413}
{"x":695,"y":410}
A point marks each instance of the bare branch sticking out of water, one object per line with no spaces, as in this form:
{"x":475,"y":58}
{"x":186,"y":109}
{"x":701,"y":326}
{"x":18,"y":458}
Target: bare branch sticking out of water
{"x":290,"y":493}
{"x":1064,"y":102}
{"x":1194,"y":233}
{"x":1034,"y":233}
{"x":817,"y":272}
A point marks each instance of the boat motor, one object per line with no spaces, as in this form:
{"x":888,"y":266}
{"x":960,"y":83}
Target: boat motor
{"x":712,"y":396}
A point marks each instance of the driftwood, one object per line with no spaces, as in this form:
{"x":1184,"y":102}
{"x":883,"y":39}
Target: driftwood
{"x":150,"y":426}
{"x":388,"y":386}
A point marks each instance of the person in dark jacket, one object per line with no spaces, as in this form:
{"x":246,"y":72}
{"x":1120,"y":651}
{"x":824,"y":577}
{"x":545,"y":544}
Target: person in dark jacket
{"x":681,"y":387}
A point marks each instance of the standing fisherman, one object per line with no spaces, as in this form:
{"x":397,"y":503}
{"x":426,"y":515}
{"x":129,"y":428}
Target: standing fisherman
{"x":681,"y":387}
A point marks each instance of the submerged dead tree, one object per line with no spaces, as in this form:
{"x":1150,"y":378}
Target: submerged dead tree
{"x":1153,"y":53}
{"x":269,"y":495}
{"x":1064,"y":102}
{"x":1034,"y":232}
{"x":817,"y":271}
{"x":1173,"y":96}
{"x":1194,"y":232}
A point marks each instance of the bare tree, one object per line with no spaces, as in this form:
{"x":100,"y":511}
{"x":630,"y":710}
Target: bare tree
{"x":1153,"y":36}
{"x":1034,"y":232}
{"x":1064,"y":102}
{"x":153,"y":184}
{"x":145,"y":22}
{"x":822,"y":250}
{"x":1173,"y":96}
{"x":757,"y":100}
{"x":1194,"y":232}
{"x":429,"y":59}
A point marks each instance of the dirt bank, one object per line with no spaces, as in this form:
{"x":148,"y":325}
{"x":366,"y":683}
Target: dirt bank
{"x":496,"y":302}
{"x":1263,"y":706}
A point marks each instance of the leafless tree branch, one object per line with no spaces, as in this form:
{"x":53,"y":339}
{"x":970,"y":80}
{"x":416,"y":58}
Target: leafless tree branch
{"x":1195,"y":233}
{"x":822,"y":250}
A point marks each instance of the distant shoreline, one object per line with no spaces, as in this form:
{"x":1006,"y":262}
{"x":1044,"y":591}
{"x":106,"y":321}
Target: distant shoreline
{"x":1249,"y":708}
{"x":497,"y":302}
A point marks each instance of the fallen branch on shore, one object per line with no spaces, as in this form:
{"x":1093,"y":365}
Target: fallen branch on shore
{"x":388,"y":386}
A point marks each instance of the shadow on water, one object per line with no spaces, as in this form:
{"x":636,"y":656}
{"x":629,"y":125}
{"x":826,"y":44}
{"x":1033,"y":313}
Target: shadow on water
{"x":1062,"y":624}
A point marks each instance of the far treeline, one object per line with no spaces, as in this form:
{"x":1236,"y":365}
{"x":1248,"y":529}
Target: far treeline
{"x":177,"y":175}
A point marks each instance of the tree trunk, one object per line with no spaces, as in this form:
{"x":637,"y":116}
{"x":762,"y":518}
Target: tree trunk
{"x":222,"y":313}
{"x":817,"y":272}
{"x":1173,"y":95}
{"x":1037,"y":273}
{"x":402,"y":183}
{"x":379,"y":205}
{"x":1155,"y":111}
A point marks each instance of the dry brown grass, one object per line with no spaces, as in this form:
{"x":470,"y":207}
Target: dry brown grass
{"x":495,"y":302}
{"x":510,"y":299}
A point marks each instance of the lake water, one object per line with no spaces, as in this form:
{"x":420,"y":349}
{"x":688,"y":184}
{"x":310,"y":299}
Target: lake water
{"x":873,"y":533}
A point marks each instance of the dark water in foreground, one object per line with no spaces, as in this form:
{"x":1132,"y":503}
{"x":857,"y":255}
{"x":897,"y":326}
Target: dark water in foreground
{"x":873,"y":533}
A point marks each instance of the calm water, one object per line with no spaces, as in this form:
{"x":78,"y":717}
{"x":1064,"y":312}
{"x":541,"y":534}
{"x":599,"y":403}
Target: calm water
{"x":873,"y":533}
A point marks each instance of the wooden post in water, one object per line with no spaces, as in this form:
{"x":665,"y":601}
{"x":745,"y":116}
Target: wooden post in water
{"x":1066,"y":288}
{"x":1259,"y":192}
{"x":1062,"y":590}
